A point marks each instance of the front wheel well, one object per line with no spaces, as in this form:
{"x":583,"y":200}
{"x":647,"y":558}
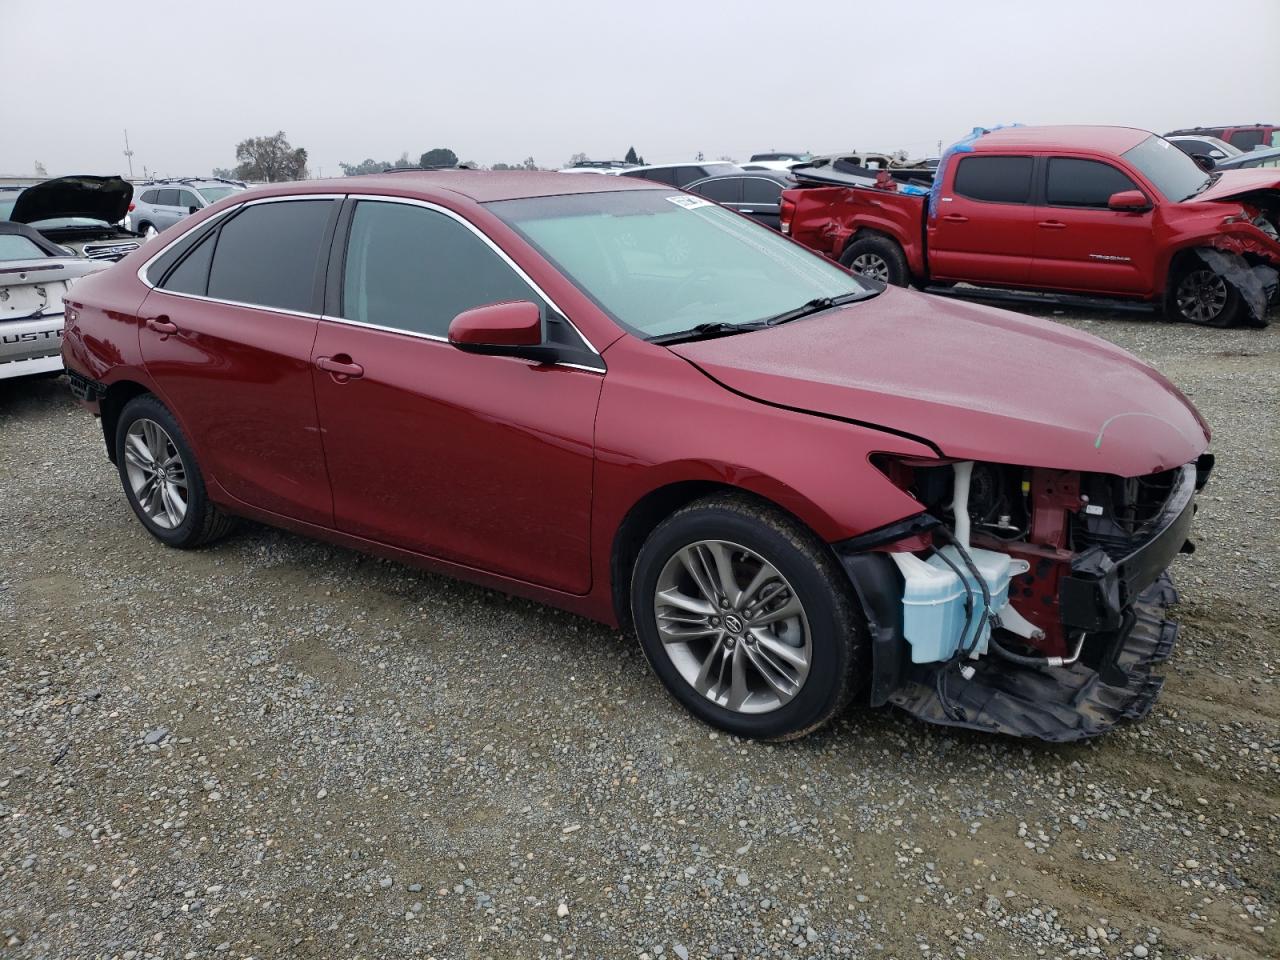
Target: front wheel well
{"x":113,"y":401}
{"x":643,"y":518}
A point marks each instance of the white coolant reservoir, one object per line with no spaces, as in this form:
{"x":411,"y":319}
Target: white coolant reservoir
{"x":934,"y":595}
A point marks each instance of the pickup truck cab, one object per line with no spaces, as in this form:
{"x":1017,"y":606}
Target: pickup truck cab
{"x":1100,"y":211}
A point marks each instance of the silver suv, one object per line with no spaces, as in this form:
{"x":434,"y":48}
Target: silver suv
{"x":159,"y":204}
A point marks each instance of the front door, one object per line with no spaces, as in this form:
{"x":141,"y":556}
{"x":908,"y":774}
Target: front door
{"x":482,"y":461}
{"x":1083,"y":245}
{"x":981,"y":230}
{"x":227,"y":336}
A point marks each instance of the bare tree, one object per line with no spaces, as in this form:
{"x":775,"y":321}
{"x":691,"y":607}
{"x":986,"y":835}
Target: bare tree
{"x":271,"y":159}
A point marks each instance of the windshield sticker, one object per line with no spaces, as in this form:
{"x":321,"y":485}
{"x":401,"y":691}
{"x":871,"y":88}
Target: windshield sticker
{"x":690,"y":203}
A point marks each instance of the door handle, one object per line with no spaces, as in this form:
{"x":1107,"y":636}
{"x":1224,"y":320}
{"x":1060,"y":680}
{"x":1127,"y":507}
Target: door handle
{"x":341,"y":367}
{"x":1053,"y":224}
{"x":161,"y":325}
{"x":956,"y":218}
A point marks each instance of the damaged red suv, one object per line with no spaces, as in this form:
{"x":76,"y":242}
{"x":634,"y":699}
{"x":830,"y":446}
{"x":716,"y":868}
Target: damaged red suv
{"x":799,"y":487}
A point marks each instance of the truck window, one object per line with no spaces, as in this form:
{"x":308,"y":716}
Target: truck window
{"x":1246,"y":140}
{"x":995,"y":179}
{"x":1083,"y":183}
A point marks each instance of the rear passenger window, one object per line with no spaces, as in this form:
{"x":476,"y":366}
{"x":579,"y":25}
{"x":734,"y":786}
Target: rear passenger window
{"x":1083,"y":183}
{"x":995,"y":179}
{"x":269,"y":255}
{"x":167,"y":198}
{"x":759,"y":190}
{"x":721,"y":191}
{"x":150,"y":196}
{"x":192,"y":274}
{"x":413,"y":269}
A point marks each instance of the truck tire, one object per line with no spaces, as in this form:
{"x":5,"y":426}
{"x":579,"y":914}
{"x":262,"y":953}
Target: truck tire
{"x":1199,"y":295}
{"x":879,"y":258}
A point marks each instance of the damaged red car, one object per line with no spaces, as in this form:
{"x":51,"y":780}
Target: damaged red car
{"x":1082,"y":211}
{"x":799,"y":487}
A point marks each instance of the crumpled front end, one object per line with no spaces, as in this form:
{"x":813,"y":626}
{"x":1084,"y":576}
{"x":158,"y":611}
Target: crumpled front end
{"x":1025,"y":601}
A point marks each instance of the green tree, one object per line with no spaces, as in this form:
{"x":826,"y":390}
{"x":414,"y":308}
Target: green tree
{"x":271,"y":159}
{"x":438,"y":157}
{"x":225,"y":173}
{"x":576,"y":159}
{"x":632,"y":156}
{"x":529,"y":164}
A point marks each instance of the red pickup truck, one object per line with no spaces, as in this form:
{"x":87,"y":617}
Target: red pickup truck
{"x":1100,"y":211}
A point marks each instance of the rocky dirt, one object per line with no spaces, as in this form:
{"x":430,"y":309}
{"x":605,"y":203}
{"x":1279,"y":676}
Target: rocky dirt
{"x":274,"y":747}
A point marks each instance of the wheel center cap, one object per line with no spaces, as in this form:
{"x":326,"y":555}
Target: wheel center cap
{"x":732,"y":623}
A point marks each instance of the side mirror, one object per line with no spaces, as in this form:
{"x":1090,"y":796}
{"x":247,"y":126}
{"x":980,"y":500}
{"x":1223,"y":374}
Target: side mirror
{"x":1204,"y":161}
{"x":512,"y":328}
{"x":192,"y":209}
{"x":1128,"y":201}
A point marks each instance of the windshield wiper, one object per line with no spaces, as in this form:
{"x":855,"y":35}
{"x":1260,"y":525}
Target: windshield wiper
{"x":817,"y":305}
{"x":706,"y":331}
{"x":1208,"y":182}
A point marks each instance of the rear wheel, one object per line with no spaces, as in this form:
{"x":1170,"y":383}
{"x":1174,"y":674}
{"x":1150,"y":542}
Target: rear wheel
{"x":878,"y":258}
{"x":161,"y":479}
{"x":147,"y":230}
{"x":1204,"y":297}
{"x":746,"y":618}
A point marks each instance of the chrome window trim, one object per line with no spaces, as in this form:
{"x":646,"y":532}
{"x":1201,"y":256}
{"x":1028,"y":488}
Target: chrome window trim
{"x":485,"y":239}
{"x":141,"y":272}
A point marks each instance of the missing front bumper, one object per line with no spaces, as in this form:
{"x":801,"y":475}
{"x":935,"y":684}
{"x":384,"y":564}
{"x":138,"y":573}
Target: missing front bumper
{"x":1058,"y":704}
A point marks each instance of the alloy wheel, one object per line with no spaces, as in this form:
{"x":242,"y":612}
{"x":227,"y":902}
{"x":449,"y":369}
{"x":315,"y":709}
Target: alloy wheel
{"x":156,"y":473}
{"x":1201,"y":296}
{"x":871,"y":265}
{"x":733,"y":626}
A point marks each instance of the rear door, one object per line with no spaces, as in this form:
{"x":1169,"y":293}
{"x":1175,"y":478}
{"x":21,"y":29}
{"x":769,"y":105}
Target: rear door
{"x":479,"y":460}
{"x":166,"y":208}
{"x":1081,"y":244}
{"x":761,"y":200}
{"x":227,"y":336}
{"x":982,"y":228}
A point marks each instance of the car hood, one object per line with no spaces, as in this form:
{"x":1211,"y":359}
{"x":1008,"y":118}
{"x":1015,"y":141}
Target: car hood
{"x":976,"y":382}
{"x":98,"y":198}
{"x":1237,"y":183}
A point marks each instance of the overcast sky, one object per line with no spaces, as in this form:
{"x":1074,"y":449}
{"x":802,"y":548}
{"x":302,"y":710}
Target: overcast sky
{"x":500,"y":80}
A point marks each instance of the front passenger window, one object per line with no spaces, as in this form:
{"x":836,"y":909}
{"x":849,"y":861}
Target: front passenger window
{"x":414,"y":269}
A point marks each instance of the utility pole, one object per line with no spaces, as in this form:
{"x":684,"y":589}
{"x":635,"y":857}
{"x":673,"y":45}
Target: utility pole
{"x":128,"y":153}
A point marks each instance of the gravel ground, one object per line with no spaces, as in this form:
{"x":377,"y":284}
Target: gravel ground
{"x":274,"y":747}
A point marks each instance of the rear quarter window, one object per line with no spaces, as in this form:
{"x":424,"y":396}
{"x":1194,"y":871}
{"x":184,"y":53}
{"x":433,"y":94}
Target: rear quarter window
{"x":994,"y":179}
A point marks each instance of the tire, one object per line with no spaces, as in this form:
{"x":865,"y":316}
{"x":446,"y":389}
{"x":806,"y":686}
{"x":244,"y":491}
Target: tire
{"x":147,"y":439}
{"x":879,"y":258}
{"x":147,"y":230}
{"x":828,"y":633}
{"x":1199,"y":295}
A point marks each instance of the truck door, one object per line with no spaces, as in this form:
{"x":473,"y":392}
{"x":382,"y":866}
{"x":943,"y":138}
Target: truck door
{"x":1083,"y":245}
{"x":982,"y":228}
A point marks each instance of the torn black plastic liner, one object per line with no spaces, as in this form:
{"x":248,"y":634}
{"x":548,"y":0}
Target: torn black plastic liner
{"x":1256,"y":283}
{"x":1058,"y":704}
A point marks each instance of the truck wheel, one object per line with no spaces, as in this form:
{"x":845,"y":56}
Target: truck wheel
{"x":747,"y":619}
{"x":1204,"y":297}
{"x":878,"y":258}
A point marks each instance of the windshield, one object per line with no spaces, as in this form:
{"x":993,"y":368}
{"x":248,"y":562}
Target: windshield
{"x":14,"y":247}
{"x":213,"y":194}
{"x":660,"y":263}
{"x":1174,"y":174}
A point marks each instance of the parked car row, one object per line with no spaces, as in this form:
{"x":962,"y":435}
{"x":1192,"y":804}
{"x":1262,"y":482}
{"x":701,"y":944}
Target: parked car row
{"x":159,"y":204}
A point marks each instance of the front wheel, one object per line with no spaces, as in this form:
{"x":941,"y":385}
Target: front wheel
{"x":1203,"y":296}
{"x":747,"y":619}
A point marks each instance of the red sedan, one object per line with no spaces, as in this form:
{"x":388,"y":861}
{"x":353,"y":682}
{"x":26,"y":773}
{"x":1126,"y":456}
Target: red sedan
{"x":797,"y":486}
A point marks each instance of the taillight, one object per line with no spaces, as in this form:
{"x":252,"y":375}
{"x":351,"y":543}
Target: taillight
{"x":786,"y":213}
{"x":131,"y":206}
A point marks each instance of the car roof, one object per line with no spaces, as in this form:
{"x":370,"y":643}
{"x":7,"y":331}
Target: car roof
{"x":482,"y":186}
{"x":1115,"y":140}
{"x":782,"y":176}
{"x":685,"y":163}
{"x":1242,"y":159}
